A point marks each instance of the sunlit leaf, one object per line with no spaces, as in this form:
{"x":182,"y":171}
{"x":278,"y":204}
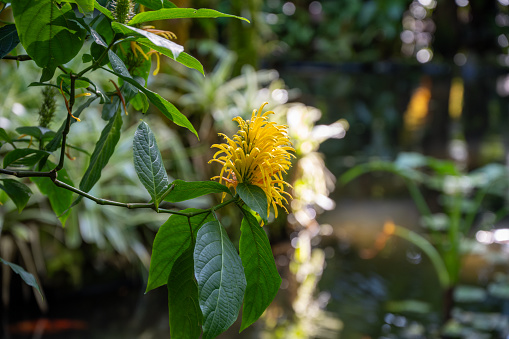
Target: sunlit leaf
{"x":49,"y":33}
{"x":180,"y":13}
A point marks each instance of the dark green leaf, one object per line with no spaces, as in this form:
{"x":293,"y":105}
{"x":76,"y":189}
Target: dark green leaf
{"x":180,"y":13}
{"x":18,"y":192}
{"x":103,"y":10}
{"x":119,"y":67}
{"x":24,"y":157}
{"x":170,"y":46}
{"x":4,"y":136}
{"x":263,"y":280}
{"x":28,"y":278}
{"x":185,"y":190}
{"x":59,"y":198}
{"x":8,"y":39}
{"x":172,"y":239}
{"x":148,"y":163}
{"x":102,"y":152}
{"x":54,"y":144}
{"x":156,"y":4}
{"x":37,"y":132}
{"x":185,"y":314}
{"x":49,"y":33}
{"x":220,"y":276}
{"x":170,"y":111}
{"x":255,"y":198}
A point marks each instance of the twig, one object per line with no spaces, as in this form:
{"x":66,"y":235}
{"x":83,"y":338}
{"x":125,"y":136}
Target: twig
{"x":22,"y":57}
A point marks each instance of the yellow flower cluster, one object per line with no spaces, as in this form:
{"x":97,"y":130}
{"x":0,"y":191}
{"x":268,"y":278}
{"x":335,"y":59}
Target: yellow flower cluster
{"x":259,"y":154}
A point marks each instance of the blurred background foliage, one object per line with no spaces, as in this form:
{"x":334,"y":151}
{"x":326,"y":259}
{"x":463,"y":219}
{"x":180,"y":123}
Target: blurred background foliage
{"x":390,"y":79}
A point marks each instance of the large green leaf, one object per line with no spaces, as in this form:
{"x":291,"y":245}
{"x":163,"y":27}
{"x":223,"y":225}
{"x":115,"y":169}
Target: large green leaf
{"x":167,"y":108}
{"x":103,"y":150}
{"x":24,"y":157}
{"x":172,"y":239}
{"x":220,"y":276}
{"x":156,"y":4}
{"x":263,"y":280}
{"x":8,"y":39}
{"x":18,"y":192}
{"x":173,"y":48}
{"x":180,"y":13}
{"x":255,"y":198}
{"x":59,"y":198}
{"x":148,"y":163}
{"x":186,"y":190}
{"x":183,"y":305}
{"x":49,"y":33}
{"x":28,"y":278}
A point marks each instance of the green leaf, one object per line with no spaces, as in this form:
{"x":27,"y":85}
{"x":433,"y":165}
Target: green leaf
{"x":220,"y":277}
{"x":186,"y":190}
{"x":28,"y":278}
{"x":59,"y":198}
{"x":37,"y":132}
{"x":8,"y":39}
{"x":49,"y":34}
{"x":156,"y":4}
{"x":173,"y":48}
{"x":183,"y":58}
{"x":185,"y":314}
{"x":119,"y":67}
{"x":180,"y":13}
{"x":148,"y":163}
{"x":170,"y":111}
{"x":171,"y":240}
{"x":102,"y":152}
{"x":255,"y":198}
{"x":4,"y":136}
{"x":40,"y":84}
{"x":140,"y":102}
{"x":24,"y":157}
{"x":78,"y":83}
{"x":54,"y":144}
{"x":103,"y":10}
{"x":18,"y":192}
{"x":263,"y":280}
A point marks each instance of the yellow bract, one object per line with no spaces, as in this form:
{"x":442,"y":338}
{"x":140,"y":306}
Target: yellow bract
{"x":259,"y":154}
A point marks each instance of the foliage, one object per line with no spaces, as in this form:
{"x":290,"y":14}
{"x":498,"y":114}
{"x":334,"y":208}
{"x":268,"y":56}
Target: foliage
{"x":191,"y":248}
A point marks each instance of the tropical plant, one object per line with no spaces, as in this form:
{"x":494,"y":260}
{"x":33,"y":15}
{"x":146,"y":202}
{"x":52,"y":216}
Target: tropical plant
{"x":207,"y":280}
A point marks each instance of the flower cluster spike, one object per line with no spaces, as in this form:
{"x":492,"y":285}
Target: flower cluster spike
{"x":258,"y":154}
{"x":122,"y":10}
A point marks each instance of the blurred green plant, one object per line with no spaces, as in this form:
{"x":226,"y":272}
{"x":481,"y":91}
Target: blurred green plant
{"x":461,"y":196}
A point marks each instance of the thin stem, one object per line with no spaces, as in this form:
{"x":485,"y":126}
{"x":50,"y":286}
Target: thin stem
{"x":22,"y":57}
{"x":28,"y":174}
{"x":67,"y":126}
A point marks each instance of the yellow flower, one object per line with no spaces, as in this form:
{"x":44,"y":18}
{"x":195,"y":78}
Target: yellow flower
{"x":259,"y":154}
